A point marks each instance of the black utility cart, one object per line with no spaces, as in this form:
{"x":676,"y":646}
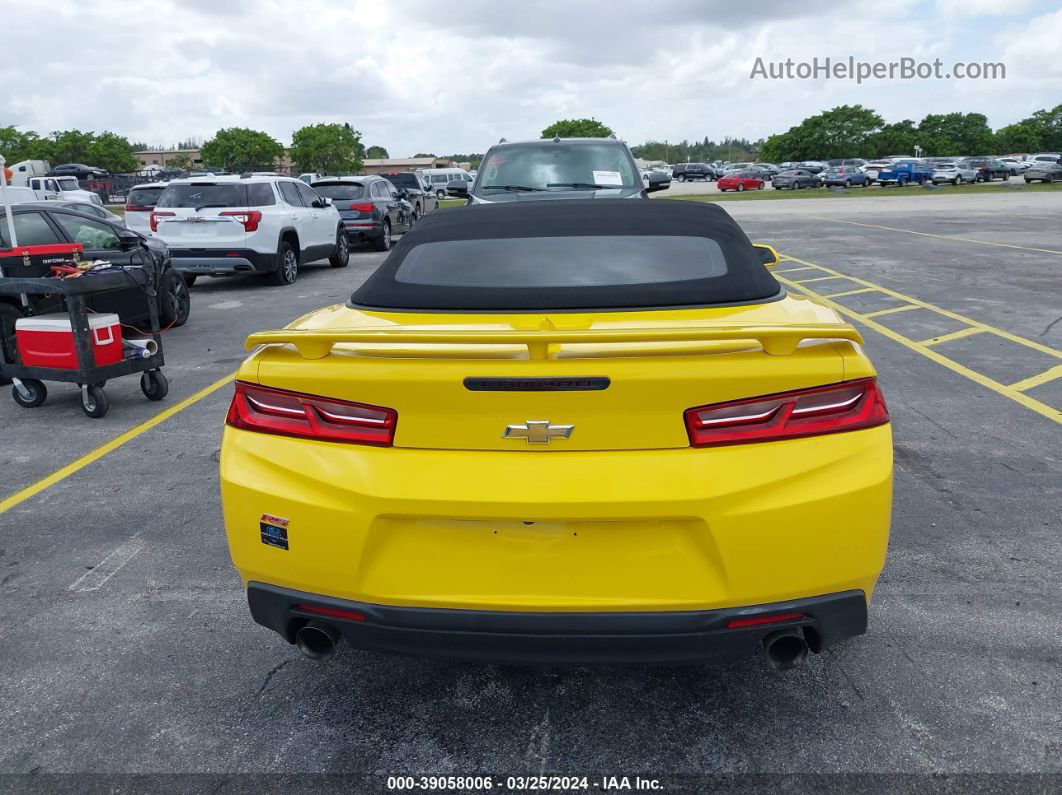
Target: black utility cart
{"x":29,"y":390}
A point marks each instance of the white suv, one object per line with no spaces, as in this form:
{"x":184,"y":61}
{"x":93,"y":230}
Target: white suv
{"x":255,"y":223}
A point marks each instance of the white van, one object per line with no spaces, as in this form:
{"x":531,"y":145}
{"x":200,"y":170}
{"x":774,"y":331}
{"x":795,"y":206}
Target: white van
{"x":22,"y":172}
{"x":436,"y":179}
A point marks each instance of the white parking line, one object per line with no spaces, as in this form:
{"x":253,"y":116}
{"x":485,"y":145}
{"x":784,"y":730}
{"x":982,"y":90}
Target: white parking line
{"x":96,"y":577}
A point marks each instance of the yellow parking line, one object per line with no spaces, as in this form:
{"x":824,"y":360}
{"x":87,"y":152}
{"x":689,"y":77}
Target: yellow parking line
{"x":851,"y":292}
{"x":794,"y":270}
{"x":946,"y":313}
{"x":955,"y":335}
{"x":940,"y":237}
{"x":929,"y":353}
{"x":820,"y":279}
{"x":72,"y":468}
{"x":895,"y":309}
{"x":1036,"y":380}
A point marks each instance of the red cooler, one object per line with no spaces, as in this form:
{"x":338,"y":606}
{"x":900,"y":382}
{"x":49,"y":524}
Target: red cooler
{"x":48,"y":341}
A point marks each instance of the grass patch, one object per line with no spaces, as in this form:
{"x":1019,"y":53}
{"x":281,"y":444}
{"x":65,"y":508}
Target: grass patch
{"x":444,"y":203}
{"x":769,"y":194}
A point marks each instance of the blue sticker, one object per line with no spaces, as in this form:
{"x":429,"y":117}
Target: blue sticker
{"x":274,"y":536}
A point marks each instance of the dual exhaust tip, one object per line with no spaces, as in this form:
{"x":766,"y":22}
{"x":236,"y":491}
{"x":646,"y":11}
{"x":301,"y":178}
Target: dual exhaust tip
{"x":786,"y":649}
{"x":317,"y":641}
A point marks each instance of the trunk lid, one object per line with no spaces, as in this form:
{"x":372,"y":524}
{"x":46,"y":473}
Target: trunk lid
{"x":615,"y":393}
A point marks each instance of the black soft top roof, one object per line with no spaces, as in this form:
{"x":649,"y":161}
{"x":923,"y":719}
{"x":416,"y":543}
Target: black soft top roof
{"x":744,"y":280}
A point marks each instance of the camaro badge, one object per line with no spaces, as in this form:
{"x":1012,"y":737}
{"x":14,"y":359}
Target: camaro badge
{"x":538,"y":432}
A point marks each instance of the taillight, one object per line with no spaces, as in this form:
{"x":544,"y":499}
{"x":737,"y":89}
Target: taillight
{"x":155,"y":216}
{"x":278,"y":411}
{"x":249,"y":218}
{"x":362,"y":208}
{"x":847,"y":406}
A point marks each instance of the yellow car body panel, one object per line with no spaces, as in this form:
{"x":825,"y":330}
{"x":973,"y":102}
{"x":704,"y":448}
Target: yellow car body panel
{"x":622,"y":516}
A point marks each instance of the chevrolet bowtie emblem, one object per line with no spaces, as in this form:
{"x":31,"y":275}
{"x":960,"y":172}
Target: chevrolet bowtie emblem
{"x":538,"y":432}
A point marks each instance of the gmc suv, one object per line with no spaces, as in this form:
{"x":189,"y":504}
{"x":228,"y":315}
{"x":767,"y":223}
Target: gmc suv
{"x":254,"y":223}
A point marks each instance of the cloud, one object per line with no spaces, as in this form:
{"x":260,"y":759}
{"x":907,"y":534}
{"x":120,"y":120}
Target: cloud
{"x":419,"y":75}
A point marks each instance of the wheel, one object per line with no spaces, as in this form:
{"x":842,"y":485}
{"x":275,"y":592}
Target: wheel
{"x":413,"y":219}
{"x":94,"y":401}
{"x":440,"y":194}
{"x":1027,"y":180}
{"x":741,"y":186}
{"x":957,"y":180}
{"x":189,"y":278}
{"x":174,"y":301}
{"x":848,"y":183}
{"x":37,"y":393}
{"x":902,"y":182}
{"x":342,"y":255}
{"x":383,"y":242}
{"x":154,"y":384}
{"x":760,"y":186}
{"x":288,"y":271}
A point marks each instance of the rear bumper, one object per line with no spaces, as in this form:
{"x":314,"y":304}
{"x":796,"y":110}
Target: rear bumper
{"x":222,"y":262}
{"x":369,"y":229}
{"x":674,"y":638}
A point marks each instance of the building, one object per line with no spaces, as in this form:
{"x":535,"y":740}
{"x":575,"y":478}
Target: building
{"x":389,"y":164}
{"x":165,"y":157}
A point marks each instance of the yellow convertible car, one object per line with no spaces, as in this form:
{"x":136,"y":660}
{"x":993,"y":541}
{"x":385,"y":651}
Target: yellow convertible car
{"x":562,"y":432}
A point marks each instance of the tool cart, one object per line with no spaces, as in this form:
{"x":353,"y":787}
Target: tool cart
{"x":81,"y":354}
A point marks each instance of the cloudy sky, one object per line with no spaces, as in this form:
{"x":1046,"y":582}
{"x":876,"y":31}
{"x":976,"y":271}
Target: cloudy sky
{"x":448,"y":77}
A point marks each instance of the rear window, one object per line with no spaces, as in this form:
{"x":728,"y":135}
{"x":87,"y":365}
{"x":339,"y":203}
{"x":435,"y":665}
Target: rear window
{"x":548,"y":261}
{"x":404,"y":180}
{"x":341,"y":190}
{"x":499,"y":257}
{"x":209,"y":194}
{"x":144,"y":197}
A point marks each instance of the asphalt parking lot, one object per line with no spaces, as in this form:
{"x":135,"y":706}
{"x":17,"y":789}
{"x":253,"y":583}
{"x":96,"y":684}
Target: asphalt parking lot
{"x":126,"y":646}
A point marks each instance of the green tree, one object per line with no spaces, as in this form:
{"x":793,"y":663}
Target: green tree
{"x":577,"y":128}
{"x":843,"y":131}
{"x":16,"y":145}
{"x":1024,"y":136}
{"x":376,"y":153}
{"x":942,"y":134}
{"x":238,"y":149}
{"x":71,"y":146}
{"x":112,"y":152}
{"x":893,"y":139}
{"x":1049,"y":125}
{"x":327,"y":148}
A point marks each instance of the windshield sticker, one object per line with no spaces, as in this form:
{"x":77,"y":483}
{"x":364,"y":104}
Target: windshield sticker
{"x":607,"y":178}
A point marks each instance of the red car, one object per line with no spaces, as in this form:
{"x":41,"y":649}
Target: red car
{"x":741,"y":180}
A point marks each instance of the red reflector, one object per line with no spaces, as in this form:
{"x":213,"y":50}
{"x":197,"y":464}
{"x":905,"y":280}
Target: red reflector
{"x":136,"y":208}
{"x":249,"y":218}
{"x":278,"y":411}
{"x":233,"y":254}
{"x":737,"y":623}
{"x":332,"y":612}
{"x":847,"y":406}
{"x":155,"y":216}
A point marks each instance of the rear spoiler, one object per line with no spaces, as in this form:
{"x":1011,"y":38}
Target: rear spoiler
{"x":775,"y":340}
